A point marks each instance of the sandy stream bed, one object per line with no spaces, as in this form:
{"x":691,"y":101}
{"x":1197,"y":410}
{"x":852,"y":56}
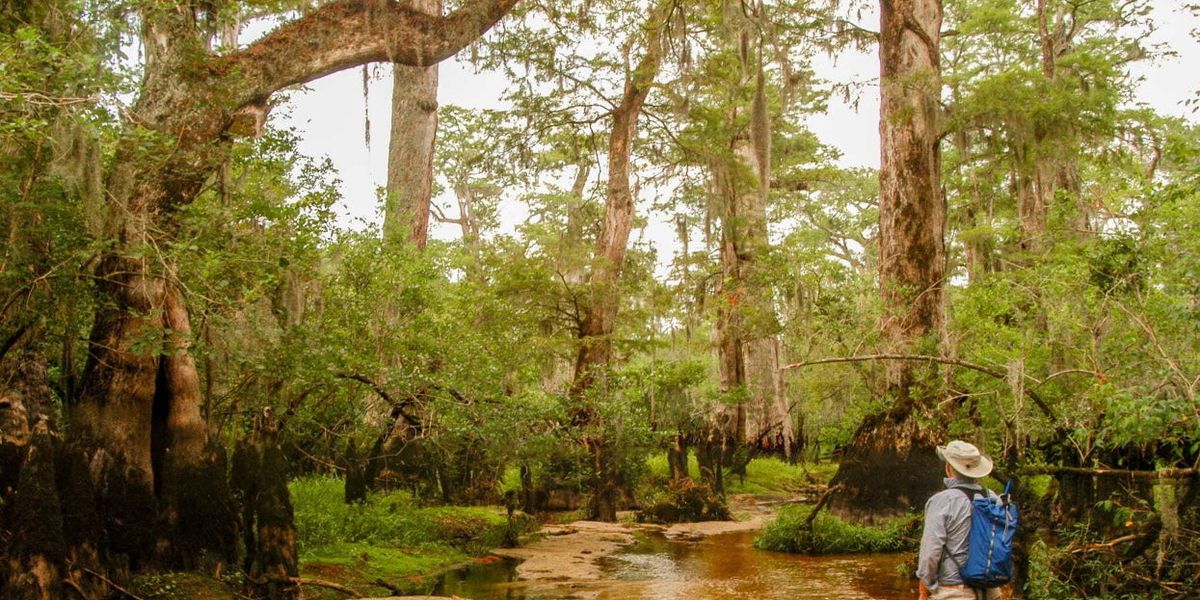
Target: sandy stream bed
{"x":568,"y":556}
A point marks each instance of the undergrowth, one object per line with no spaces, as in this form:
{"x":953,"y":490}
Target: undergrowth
{"x":831,"y":535}
{"x":388,"y":537}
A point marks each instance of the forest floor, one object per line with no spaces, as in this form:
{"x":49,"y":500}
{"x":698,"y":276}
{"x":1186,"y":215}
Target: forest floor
{"x":392,"y":546}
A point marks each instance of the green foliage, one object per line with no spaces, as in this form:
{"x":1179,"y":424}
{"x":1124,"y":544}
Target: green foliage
{"x":1083,"y":563}
{"x":831,"y":535}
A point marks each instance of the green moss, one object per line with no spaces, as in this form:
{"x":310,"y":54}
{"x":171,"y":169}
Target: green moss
{"x":511,"y":481}
{"x":1039,"y":485}
{"x":831,"y":535}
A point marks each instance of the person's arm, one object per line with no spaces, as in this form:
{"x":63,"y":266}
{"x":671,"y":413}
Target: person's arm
{"x":933,"y":540}
{"x":922,"y":591}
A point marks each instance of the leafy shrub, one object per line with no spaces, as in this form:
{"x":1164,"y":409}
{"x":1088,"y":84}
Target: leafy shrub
{"x":831,"y":535}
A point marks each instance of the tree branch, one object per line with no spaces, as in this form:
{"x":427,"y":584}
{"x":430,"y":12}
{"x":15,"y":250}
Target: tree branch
{"x":1173,"y":473}
{"x":375,"y":387}
{"x":812,"y":516}
{"x":345,"y":34}
{"x":1041,"y":404}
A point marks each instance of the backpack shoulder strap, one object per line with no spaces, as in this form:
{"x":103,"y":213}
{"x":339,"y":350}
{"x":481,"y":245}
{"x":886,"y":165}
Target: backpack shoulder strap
{"x":970,"y":493}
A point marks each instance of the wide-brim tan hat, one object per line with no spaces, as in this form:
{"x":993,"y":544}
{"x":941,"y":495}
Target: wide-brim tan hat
{"x":966,"y":459}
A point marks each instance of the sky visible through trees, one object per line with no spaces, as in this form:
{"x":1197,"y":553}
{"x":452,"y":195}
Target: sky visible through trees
{"x":330,"y":116}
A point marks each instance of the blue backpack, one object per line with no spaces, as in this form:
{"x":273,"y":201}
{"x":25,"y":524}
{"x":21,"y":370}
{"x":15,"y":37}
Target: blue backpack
{"x":989,"y":547}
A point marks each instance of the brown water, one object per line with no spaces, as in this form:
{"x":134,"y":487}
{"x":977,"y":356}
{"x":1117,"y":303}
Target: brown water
{"x":722,"y":567}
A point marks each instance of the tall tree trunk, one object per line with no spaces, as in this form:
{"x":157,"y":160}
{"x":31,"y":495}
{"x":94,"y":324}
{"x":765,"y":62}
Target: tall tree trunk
{"x":748,"y":359}
{"x":677,"y":456}
{"x":410,"y":152}
{"x":600,"y":312}
{"x":1056,"y":165}
{"x":196,"y":504}
{"x":890,"y":466}
{"x":260,"y":477}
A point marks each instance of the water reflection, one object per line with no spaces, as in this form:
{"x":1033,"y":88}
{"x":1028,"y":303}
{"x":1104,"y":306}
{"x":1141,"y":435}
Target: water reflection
{"x":723,"y":567}
{"x":727,"y":567}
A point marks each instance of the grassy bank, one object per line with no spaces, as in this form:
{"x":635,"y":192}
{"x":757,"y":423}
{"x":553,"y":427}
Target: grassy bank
{"x":388,"y":543}
{"x":831,"y":535}
{"x":764,"y":475}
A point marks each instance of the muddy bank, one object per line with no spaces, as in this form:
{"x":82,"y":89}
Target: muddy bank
{"x":569,"y":552}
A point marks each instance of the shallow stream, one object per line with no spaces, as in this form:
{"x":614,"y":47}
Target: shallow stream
{"x":721,"y":567}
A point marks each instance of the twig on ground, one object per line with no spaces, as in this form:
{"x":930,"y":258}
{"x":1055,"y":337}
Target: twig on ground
{"x":303,"y":581}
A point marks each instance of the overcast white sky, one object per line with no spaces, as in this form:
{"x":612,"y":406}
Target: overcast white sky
{"x":330,"y":116}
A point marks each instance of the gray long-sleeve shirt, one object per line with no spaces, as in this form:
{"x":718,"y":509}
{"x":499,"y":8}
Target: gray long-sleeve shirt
{"x":947,"y":525}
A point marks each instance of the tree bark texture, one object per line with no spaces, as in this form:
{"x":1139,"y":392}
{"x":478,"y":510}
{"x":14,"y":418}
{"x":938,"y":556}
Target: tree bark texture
{"x":677,"y":457}
{"x":38,"y":546}
{"x":260,"y":478}
{"x":410,"y":151}
{"x":600,"y":311}
{"x":196,"y":503}
{"x":890,"y":464}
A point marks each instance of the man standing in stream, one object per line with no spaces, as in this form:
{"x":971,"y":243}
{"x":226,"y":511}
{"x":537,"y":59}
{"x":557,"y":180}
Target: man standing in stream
{"x":948,"y":525}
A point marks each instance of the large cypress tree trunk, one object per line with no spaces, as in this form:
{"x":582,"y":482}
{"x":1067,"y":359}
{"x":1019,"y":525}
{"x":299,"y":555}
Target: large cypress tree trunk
{"x":193,"y":490}
{"x":600,"y":312}
{"x":410,"y":152}
{"x":890,"y":466}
